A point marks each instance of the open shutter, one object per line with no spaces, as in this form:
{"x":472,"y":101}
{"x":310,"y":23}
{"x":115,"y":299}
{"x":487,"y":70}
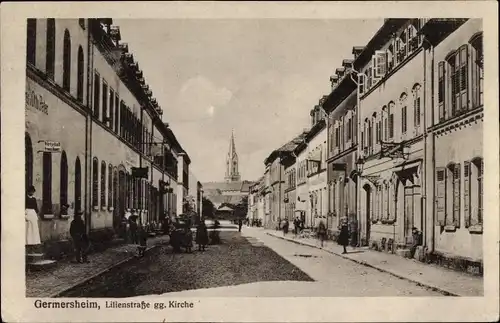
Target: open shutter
{"x":456,"y":195}
{"x":467,"y":193}
{"x":440,"y":196}
{"x":380,"y":63}
{"x":361,"y":83}
{"x":456,"y":84}
{"x":464,"y":75}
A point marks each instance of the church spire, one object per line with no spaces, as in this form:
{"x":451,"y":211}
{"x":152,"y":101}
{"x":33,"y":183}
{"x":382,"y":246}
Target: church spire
{"x":232,"y":174}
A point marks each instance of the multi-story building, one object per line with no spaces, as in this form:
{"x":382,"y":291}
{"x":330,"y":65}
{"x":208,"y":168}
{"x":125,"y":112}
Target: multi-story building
{"x":391,"y":80}
{"x":90,"y":121}
{"x":455,"y":112}
{"x":316,"y":167}
{"x":289,"y":186}
{"x":342,"y":144}
{"x":301,"y":187}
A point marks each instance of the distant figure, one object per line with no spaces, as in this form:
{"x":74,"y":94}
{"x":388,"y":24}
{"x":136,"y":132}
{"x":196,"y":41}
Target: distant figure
{"x":79,"y":237}
{"x":202,"y":235}
{"x":143,"y":241}
{"x":344,"y":235}
{"x":240,"y":224}
{"x":31,"y":218}
{"x":132,"y":222}
{"x":286,"y":225}
{"x":322,"y":232}
{"x":417,"y":240}
{"x":188,"y":236}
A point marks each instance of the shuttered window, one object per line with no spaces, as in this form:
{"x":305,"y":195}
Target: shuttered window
{"x":403,"y":120}
{"x":103,"y":184}
{"x":463,"y":69}
{"x":467,"y":194}
{"x":440,"y":196}
{"x":456,"y":195}
{"x":95,"y":182}
{"x":441,"y":91}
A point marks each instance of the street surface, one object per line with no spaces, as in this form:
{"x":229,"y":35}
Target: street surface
{"x":250,"y":263}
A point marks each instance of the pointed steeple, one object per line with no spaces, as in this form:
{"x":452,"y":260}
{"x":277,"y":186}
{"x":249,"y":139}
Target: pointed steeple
{"x":232,"y":174}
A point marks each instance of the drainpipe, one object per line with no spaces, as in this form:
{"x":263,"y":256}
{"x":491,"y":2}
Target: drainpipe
{"x":359,"y":145}
{"x":433,"y":152}
{"x":88,"y":131}
{"x":423,"y":219}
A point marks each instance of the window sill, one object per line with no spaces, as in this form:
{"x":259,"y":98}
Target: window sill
{"x":65,"y":216}
{"x":95,"y":208}
{"x":103,"y":208}
{"x":476,"y":229}
{"x":111,"y":209}
{"x":450,"y":228}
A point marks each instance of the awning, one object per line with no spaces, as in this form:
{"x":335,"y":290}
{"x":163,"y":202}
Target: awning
{"x":407,"y":165}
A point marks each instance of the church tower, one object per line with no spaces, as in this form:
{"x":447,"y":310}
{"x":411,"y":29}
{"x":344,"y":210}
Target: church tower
{"x":232,"y":174}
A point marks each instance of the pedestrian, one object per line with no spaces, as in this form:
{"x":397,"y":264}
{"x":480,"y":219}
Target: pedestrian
{"x":143,"y":241}
{"x":202,"y":235}
{"x":31,"y":218}
{"x":344,"y":235}
{"x":321,"y":232}
{"x":240,"y":224}
{"x":286,"y":225}
{"x":132,"y":222}
{"x":79,"y":237}
{"x":188,"y":239}
{"x":416,"y":241}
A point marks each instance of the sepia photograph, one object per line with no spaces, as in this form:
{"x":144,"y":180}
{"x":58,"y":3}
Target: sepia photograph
{"x":191,"y":158}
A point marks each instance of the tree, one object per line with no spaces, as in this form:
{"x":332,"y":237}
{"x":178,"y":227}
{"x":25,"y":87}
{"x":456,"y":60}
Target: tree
{"x":208,"y":208}
{"x":241,"y":209}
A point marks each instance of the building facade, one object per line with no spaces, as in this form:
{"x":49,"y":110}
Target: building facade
{"x":90,"y":120}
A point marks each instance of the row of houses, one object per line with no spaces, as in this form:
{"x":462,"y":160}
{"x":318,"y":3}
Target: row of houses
{"x":397,"y":144}
{"x":95,"y":137}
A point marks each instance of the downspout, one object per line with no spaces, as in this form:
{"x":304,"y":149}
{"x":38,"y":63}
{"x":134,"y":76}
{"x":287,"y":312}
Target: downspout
{"x":88,"y":130}
{"x":433,"y":152}
{"x":424,"y":168}
{"x":358,"y":182}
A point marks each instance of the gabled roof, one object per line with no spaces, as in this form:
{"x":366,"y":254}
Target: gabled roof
{"x":320,"y":125}
{"x":287,"y":148}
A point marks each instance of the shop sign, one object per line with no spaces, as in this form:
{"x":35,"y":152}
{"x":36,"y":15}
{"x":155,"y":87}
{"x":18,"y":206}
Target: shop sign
{"x":50,"y":146}
{"x":36,"y":101}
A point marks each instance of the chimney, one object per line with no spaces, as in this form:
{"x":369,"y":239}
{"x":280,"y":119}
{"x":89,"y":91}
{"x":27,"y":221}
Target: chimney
{"x":340,"y":72}
{"x":356,"y":51}
{"x":333,"y":80}
{"x":347,"y":63}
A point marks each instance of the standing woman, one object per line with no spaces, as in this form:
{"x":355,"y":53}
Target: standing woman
{"x":31,"y":218}
{"x":202,"y":235}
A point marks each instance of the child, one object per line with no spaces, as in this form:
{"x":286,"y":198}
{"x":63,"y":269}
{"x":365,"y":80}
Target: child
{"x":143,"y":241}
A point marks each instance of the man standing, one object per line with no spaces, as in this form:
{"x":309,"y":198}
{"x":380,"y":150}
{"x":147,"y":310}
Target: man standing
{"x":240,"y":224}
{"x":132,"y":220}
{"x":79,"y":236}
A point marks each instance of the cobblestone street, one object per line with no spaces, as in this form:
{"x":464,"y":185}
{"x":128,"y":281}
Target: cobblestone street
{"x":248,"y":264}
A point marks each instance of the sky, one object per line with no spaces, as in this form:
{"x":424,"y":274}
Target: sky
{"x":258,"y":77}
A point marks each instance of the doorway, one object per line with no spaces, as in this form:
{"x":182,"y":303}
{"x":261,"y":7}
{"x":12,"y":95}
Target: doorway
{"x":78,"y":185}
{"x":116,"y":211}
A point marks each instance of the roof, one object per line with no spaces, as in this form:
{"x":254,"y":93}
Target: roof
{"x":289,"y":147}
{"x":320,"y":125}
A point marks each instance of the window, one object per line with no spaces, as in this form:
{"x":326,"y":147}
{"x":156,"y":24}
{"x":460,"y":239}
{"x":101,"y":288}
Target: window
{"x":441,"y":91}
{"x":50,"y":55}
{"x":361,"y":83}
{"x":462,"y":71}
{"x":47,"y":183}
{"x":391,"y":120}
{"x":403,"y":119}
{"x":117,"y":113}
{"x":473,"y":192}
{"x":95,"y":182}
{"x":67,"y":61}
{"x":105,"y":118}
{"x":111,"y":107}
{"x":380,"y":64}
{"x":385,"y":125}
{"x":63,"y":186}
{"x":477,"y":70}
{"x":31,"y":41}
{"x":456,"y":195}
{"x":103,"y":184}
{"x":110,"y":185}
{"x":81,"y":22}
{"x":80,"y":74}
{"x":416,"y":106}
{"x":78,"y":185}
{"x":28,"y":153}
{"x":97,"y":94}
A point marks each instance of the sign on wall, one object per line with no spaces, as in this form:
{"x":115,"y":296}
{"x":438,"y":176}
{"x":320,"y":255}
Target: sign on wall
{"x":35,"y":100}
{"x":50,"y":146}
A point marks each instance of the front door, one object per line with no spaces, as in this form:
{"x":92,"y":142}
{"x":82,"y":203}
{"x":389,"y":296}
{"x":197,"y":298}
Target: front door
{"x":409,"y":212}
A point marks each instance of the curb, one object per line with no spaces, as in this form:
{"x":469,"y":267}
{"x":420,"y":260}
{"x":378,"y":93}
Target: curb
{"x":86,"y":279}
{"x":364,"y":263}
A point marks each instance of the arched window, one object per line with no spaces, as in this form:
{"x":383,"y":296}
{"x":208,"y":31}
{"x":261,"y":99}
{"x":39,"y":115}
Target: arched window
{"x":47,"y":183}
{"x":416,"y":105}
{"x":31,"y":41}
{"x":97,"y":94}
{"x":103,"y":183}
{"x":63,"y":186}
{"x":28,"y":154}
{"x":404,"y":113}
{"x":110,"y":185}
{"x":442,"y":91}
{"x":67,"y":61}
{"x":95,"y":182}
{"x":477,"y":69}
{"x":51,"y":48}
{"x":80,"y":75}
{"x":78,"y":185}
{"x":390,"y":113}
{"x":384,"y":118}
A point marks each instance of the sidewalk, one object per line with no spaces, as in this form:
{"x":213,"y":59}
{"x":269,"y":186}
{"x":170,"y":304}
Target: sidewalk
{"x":437,"y":278}
{"x":66,"y":275}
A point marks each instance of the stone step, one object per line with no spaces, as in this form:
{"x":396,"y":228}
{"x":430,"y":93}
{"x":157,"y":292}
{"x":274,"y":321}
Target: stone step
{"x":406,"y":253}
{"x":41,"y":264}
{"x":32,"y":257}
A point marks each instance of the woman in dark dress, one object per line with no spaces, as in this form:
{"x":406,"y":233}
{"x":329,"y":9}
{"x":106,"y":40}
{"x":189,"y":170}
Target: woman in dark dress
{"x":344,"y":236}
{"x":202,"y":235}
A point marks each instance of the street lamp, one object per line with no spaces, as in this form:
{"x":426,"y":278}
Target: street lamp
{"x":360,"y":163}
